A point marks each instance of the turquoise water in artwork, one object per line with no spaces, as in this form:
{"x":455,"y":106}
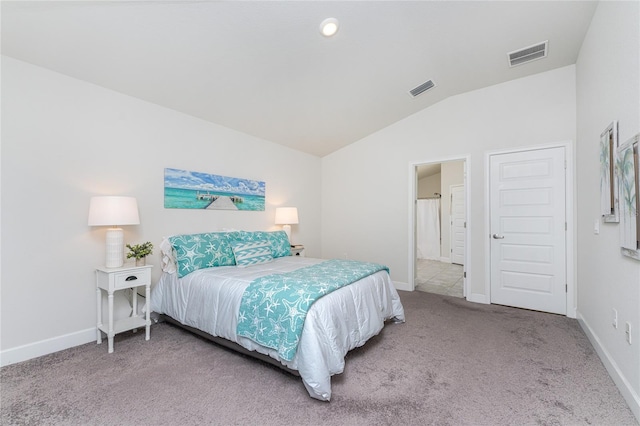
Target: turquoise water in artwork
{"x":181,"y":189}
{"x":179,"y":198}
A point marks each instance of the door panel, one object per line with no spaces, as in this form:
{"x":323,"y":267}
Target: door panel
{"x":457,"y":224}
{"x":528,"y":241}
{"x":527,"y":282}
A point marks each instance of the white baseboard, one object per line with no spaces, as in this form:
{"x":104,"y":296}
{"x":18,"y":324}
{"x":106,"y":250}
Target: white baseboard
{"x":45,"y":347}
{"x":402,"y":286}
{"x":478,"y":298}
{"x":445,"y":259}
{"x":625,"y":388}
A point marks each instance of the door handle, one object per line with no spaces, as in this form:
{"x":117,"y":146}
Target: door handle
{"x":497,"y":237}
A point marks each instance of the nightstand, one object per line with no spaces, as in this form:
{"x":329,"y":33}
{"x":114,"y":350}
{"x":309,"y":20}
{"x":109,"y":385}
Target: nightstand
{"x":297,"y":250}
{"x":113,"y":279}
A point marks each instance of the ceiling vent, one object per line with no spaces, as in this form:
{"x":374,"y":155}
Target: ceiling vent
{"x":528,"y":54}
{"x":422,"y":88}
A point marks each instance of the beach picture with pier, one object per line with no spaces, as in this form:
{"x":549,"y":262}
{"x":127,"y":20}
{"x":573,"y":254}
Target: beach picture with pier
{"x":194,"y":190}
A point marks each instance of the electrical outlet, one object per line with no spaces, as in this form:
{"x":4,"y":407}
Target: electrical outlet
{"x":615,"y":319}
{"x":596,"y":226}
{"x":344,"y":255}
{"x":628,"y":331}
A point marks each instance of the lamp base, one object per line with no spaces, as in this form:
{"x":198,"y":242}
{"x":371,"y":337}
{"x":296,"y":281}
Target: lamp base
{"x":115,"y":248}
{"x":287,"y":230}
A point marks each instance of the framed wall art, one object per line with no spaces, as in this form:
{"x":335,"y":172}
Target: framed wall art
{"x":628,"y":177}
{"x":608,"y":182}
{"x":184,"y":189}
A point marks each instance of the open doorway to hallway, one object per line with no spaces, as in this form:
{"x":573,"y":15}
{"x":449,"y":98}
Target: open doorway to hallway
{"x":440,"y":228}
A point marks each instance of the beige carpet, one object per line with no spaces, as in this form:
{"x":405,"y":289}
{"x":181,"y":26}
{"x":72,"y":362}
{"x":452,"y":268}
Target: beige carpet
{"x":452,"y":363}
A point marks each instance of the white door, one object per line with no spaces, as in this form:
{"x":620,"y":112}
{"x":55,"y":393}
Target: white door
{"x":528,"y":229}
{"x":457,"y":224}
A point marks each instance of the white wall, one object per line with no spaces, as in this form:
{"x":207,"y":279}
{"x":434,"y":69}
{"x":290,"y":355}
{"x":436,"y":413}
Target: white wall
{"x":63,"y":141}
{"x":608,"y":88}
{"x":365,"y":186}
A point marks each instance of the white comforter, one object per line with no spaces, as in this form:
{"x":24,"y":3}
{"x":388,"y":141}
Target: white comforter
{"x":209,"y":300}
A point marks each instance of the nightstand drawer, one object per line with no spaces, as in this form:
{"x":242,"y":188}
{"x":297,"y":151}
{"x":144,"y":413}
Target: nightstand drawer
{"x":131,"y":279}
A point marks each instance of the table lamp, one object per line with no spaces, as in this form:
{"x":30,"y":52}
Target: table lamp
{"x":287,"y":216}
{"x":113,"y":212}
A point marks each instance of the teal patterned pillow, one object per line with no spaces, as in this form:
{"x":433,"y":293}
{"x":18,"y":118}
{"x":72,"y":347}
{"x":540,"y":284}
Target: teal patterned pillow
{"x":252,"y":253}
{"x":198,"y":251}
{"x":280,"y":245}
{"x":249,"y":236}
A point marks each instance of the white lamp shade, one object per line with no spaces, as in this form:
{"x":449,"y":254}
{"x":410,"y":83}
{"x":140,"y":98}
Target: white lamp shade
{"x":113,"y":211}
{"x":286,"y":215}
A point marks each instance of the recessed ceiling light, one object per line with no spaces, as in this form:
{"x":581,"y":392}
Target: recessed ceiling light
{"x":329,"y":27}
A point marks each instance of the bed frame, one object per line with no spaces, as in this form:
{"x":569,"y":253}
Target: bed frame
{"x":229,"y":345}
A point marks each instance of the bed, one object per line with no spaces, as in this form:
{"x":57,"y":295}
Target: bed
{"x":206,"y":293}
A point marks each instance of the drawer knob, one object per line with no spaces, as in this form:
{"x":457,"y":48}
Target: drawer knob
{"x":131,"y":278}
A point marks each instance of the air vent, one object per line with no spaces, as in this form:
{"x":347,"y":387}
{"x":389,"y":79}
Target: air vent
{"x":422,"y":88}
{"x":528,"y":54}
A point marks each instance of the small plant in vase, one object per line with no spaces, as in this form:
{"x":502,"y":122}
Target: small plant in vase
{"x":139,"y":252}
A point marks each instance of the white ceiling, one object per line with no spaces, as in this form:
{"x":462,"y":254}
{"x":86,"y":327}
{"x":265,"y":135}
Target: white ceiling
{"x":263,"y":68}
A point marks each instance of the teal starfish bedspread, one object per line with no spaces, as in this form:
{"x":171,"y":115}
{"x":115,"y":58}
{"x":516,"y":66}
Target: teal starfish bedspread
{"x":273,"y":308}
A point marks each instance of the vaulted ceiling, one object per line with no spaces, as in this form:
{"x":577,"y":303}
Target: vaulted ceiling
{"x":263,"y":68}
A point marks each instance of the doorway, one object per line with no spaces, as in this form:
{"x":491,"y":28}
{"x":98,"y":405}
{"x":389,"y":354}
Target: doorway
{"x":439,"y":227}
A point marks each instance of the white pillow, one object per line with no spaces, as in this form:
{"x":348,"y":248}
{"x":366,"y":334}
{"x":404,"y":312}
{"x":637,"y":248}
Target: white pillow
{"x":168,"y":256}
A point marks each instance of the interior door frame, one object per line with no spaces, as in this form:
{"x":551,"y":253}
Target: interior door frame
{"x":570,"y":218}
{"x":413,"y":195}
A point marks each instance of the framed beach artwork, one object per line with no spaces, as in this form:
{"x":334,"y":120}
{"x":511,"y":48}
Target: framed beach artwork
{"x":628,"y":176}
{"x":608,"y":181}
{"x":195,"y":190}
